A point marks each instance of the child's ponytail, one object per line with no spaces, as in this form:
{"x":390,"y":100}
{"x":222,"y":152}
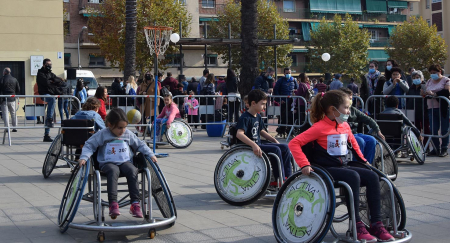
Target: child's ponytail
{"x":322,"y":101}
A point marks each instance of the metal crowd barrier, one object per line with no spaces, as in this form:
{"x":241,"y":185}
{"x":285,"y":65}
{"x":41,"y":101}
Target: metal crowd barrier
{"x":32,"y":110}
{"x":375,"y":105}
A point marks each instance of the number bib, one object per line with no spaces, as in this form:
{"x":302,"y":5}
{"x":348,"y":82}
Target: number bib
{"x":117,"y":151}
{"x":337,"y":144}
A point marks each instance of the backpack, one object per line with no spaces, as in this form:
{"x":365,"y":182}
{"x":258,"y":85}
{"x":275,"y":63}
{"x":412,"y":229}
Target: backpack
{"x":204,"y":91}
{"x":164,"y":91}
{"x":232,"y":131}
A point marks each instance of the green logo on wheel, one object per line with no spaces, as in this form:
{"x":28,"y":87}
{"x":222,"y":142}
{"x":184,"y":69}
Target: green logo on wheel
{"x":238,"y":182}
{"x":179,"y":136}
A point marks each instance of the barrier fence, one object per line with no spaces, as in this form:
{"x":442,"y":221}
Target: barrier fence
{"x":32,"y":111}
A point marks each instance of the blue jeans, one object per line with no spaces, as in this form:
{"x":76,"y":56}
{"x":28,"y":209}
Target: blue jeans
{"x":50,"y":110}
{"x":63,"y":105}
{"x":282,"y":151}
{"x":367,"y":145}
{"x":437,"y":121}
{"x":159,"y":122}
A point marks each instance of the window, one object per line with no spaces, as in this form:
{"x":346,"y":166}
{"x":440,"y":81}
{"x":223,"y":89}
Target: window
{"x":96,"y":60}
{"x":95,"y":1}
{"x":66,"y":1}
{"x":373,"y":35}
{"x":294,"y":60}
{"x":208,"y":3}
{"x":67,"y":27}
{"x":181,"y":2}
{"x":67,"y":62}
{"x":411,"y":6}
{"x":174,"y":59}
{"x":428,"y":4}
{"x":288,"y":6}
{"x":436,"y":19}
{"x":437,"y":1}
{"x":211,"y":59}
{"x":202,"y":28}
{"x":429,"y":22}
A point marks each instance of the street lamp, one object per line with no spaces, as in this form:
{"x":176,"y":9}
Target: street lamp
{"x":79,"y":35}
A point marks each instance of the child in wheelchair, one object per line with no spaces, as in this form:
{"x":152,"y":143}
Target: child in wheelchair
{"x":114,"y":158}
{"x":330,"y":134}
{"x":90,"y":111}
{"x":250,"y":128}
{"x":167,"y":115}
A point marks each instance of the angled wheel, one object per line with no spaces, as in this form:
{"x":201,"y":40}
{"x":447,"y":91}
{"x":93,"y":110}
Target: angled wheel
{"x":241,"y":177}
{"x":304,"y":208}
{"x":415,"y":146}
{"x":386,"y":205}
{"x":160,"y":190}
{"x":179,"y":134}
{"x":390,"y":162}
{"x":72,"y":196}
{"x":52,"y":156}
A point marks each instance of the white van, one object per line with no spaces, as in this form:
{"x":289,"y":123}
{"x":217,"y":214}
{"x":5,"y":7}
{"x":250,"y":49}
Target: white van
{"x":89,"y":81}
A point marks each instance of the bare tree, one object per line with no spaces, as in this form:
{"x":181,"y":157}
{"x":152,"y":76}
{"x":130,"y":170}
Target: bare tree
{"x":249,"y":45}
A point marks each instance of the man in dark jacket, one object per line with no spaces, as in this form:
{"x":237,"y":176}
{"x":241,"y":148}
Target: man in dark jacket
{"x":285,"y":86}
{"x":171,"y":82}
{"x":46,"y":81}
{"x":9,"y":86}
{"x":192,"y":86}
{"x":265,"y":81}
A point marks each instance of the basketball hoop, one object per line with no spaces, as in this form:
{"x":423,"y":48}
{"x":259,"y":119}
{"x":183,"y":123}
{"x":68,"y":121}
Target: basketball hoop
{"x":158,"y":38}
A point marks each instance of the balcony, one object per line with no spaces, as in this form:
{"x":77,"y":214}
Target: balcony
{"x":84,"y":5}
{"x":211,"y":10}
{"x":396,"y":18}
{"x":380,"y":42}
{"x":86,"y":41}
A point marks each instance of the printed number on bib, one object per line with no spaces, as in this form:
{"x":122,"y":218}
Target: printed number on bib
{"x":117,"y":151}
{"x":337,"y":144}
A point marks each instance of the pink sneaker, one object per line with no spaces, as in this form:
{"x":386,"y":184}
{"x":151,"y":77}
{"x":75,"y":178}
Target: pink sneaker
{"x":114,"y":210}
{"x":363,"y":234}
{"x":136,"y":211}
{"x":380,"y":232}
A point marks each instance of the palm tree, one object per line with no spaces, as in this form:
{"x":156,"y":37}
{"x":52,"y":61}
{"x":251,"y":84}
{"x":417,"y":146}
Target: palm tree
{"x":130,"y":39}
{"x":249,"y":45}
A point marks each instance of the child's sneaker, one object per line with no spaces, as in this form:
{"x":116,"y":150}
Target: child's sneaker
{"x":363,"y":234}
{"x":136,"y":211}
{"x":380,"y":232}
{"x":114,"y":210}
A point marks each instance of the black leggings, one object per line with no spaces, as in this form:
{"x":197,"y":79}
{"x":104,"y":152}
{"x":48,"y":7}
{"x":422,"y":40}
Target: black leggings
{"x":356,"y":177}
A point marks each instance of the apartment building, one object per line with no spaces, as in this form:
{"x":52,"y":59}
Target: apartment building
{"x":436,"y":12}
{"x":31,"y":31}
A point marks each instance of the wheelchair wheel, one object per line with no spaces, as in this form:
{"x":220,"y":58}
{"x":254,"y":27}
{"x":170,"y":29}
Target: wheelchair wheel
{"x":52,"y":156}
{"x":386,"y":206}
{"x":390,"y":162}
{"x":416,"y":146}
{"x":179,"y":134}
{"x":160,"y":190}
{"x":72,"y":196}
{"x":303,"y":210}
{"x":241,"y":177}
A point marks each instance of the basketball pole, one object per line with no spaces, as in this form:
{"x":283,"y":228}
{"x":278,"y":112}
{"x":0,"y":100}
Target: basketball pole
{"x":156,"y":102}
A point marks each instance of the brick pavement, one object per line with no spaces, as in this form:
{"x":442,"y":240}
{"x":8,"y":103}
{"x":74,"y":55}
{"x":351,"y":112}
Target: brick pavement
{"x":29,"y":203}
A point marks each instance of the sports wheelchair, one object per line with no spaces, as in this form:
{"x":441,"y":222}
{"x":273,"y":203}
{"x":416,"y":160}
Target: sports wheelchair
{"x":73,"y":134}
{"x":179,"y":134}
{"x":304,"y":209}
{"x":241,"y":177}
{"x":152,"y":180}
{"x":402,"y":138}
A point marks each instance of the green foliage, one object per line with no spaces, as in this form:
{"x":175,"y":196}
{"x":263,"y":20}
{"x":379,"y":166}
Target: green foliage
{"x":415,"y":44}
{"x":267,"y":17}
{"x":346,"y":43}
{"x":108,"y":26}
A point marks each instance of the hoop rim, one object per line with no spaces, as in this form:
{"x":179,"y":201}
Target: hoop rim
{"x":157,"y":28}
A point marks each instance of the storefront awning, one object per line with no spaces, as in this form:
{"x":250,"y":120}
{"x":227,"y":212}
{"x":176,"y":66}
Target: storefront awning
{"x":299,"y":50}
{"x":397,"y":4}
{"x":379,"y":55}
{"x":376,"y":26}
{"x":376,"y":6}
{"x":208,"y":19}
{"x":336,"y":6}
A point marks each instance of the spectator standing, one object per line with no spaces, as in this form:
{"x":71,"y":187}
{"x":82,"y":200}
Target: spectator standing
{"x":193,"y":86}
{"x":102,"y":94}
{"x":389,"y":65}
{"x":63,"y":103}
{"x":336,"y":83}
{"x":438,"y":114}
{"x":396,"y":85}
{"x":192,"y":104}
{"x":372,"y":77}
{"x":264,"y":82}
{"x":39,"y":102}
{"x":418,"y":105}
{"x":80,"y":91}
{"x":184,"y":82}
{"x":47,"y":85}
{"x":353,"y":87}
{"x":364,"y":90}
{"x":202,"y":80}
{"x":221,"y":87}
{"x":171,"y":82}
{"x":233,"y":96}
{"x":116,"y":89}
{"x":9,"y":86}
{"x":148,"y":88}
{"x":285,"y":86}
{"x":409,"y":77}
{"x":321,"y":87}
{"x":303,"y":91}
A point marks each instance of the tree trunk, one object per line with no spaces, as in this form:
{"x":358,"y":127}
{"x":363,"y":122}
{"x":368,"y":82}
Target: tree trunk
{"x":130,"y":39}
{"x":249,"y":46}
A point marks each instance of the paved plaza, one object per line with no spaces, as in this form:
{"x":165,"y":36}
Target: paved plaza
{"x":29,"y":203}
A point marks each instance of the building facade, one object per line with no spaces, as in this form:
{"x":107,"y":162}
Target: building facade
{"x":436,"y":12}
{"x":31,"y":31}
{"x":378,"y":16}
